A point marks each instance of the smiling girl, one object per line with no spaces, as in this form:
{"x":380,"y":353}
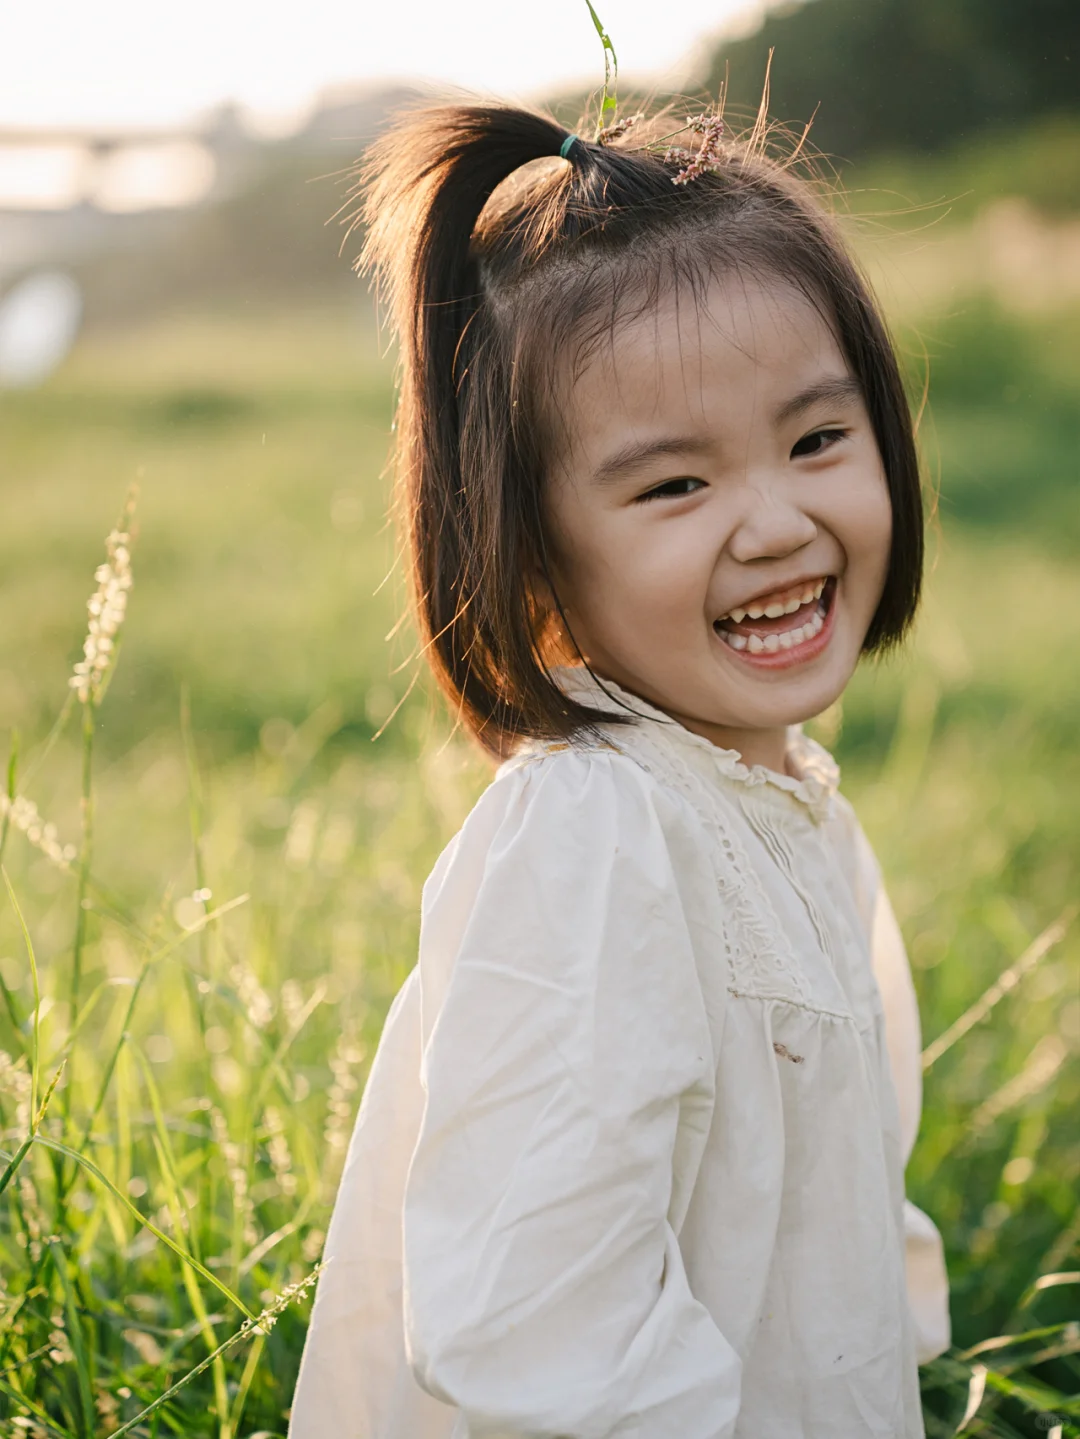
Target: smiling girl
{"x":630,"y":1159}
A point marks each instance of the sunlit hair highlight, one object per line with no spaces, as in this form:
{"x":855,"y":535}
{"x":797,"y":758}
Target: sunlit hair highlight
{"x":503,"y":266}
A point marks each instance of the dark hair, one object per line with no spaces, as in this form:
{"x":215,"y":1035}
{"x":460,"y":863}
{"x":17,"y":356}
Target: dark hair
{"x":486,"y":289}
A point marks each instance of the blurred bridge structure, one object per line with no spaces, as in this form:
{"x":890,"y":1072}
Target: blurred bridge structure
{"x":73,"y":197}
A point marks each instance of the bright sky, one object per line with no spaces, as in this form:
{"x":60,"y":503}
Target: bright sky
{"x":150,"y":62}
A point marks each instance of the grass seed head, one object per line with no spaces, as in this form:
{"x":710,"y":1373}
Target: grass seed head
{"x":107,"y":1406}
{"x":257,"y":1003}
{"x":277,"y":1148}
{"x":270,"y":1315}
{"x":105,"y":609}
{"x":708,"y":155}
{"x":15,"y":1081}
{"x":23,"y":814}
{"x":60,"y":1352}
{"x":237,"y":1174}
{"x":339,"y":1103}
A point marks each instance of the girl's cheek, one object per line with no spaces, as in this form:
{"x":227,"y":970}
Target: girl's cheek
{"x":879,"y":523}
{"x":662,"y":562}
{"x":864,"y":514}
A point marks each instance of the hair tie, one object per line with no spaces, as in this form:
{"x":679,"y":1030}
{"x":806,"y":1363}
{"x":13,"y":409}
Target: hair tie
{"x":567,"y":146}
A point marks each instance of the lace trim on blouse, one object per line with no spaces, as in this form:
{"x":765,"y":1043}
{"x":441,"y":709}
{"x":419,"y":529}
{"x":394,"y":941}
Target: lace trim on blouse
{"x":817,"y":774}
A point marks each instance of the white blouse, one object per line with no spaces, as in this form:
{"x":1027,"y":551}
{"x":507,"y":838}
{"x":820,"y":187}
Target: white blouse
{"x":629,"y":1164}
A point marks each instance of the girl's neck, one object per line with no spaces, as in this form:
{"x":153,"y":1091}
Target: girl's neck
{"x":766,"y":747}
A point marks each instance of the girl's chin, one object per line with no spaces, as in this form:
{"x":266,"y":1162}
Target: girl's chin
{"x":762,"y":702}
{"x":773,"y":696}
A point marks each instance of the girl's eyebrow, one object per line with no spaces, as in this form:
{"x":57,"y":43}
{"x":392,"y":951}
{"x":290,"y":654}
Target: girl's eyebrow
{"x":830,"y":389}
{"x":636,"y":453}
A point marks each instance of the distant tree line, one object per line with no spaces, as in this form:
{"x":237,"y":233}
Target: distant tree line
{"x":908,"y":75}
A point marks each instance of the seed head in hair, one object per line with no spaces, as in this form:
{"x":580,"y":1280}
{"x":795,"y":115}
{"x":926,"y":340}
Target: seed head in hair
{"x":614,"y":132}
{"x":708,"y":156}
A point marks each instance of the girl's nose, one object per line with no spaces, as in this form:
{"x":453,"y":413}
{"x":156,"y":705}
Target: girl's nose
{"x":771,"y":527}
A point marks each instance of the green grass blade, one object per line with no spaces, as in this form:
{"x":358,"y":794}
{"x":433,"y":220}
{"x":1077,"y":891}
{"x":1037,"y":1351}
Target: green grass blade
{"x":174,"y":1190}
{"x":5,"y":825}
{"x":75,"y":1335}
{"x":35,"y":1057}
{"x":34,"y":1354}
{"x":609,"y":102}
{"x":12,"y":767}
{"x":36,"y":1410}
{"x":1047,"y":1281}
{"x":51,"y":738}
{"x":273,"y":1067}
{"x":259,"y":1325}
{"x":195,"y":824}
{"x":1007,"y":981}
{"x":263,"y":1248}
{"x":13,"y":1013}
{"x":241,"y":1334}
{"x":14,"y":1162}
{"x":194,"y":1294}
{"x":181,"y":1219}
{"x":86,"y":848}
{"x":84,"y":1014}
{"x":154,"y":958}
{"x":92,"y":1169}
{"x":35,"y":1124}
{"x":246,"y":1380}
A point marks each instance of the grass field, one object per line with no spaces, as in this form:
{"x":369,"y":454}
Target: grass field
{"x":243,"y":901}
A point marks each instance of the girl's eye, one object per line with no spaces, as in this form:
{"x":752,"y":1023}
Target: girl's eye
{"x":816,"y":443}
{"x":673,"y":489}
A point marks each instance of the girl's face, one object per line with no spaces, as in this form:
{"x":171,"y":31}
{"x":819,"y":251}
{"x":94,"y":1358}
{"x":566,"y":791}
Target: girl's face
{"x":721,"y":517}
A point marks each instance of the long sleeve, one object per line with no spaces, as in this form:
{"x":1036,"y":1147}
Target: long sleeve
{"x":567,"y":1050}
{"x":927,"y":1280}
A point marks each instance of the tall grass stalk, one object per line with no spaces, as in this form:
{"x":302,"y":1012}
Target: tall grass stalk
{"x":195,"y":821}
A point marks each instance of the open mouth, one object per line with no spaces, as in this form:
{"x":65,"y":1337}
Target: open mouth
{"x":786,"y":627}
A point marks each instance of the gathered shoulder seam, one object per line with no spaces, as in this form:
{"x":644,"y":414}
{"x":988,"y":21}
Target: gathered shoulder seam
{"x":775,"y":996}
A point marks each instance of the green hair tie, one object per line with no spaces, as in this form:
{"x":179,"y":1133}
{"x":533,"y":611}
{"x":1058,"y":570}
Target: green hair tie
{"x":566,"y":146}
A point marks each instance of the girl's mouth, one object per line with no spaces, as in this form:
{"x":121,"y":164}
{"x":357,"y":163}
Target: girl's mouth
{"x":782,"y":629}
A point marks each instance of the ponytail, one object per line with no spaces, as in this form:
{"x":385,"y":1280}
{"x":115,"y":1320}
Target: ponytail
{"x":427,"y":184}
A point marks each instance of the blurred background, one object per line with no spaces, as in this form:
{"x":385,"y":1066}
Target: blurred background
{"x":177,"y":309}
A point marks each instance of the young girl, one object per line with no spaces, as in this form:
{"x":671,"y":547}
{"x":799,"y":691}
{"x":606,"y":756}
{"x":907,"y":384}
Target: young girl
{"x":630,"y":1160}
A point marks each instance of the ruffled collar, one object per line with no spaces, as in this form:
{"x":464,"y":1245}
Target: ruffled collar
{"x":814,"y":777}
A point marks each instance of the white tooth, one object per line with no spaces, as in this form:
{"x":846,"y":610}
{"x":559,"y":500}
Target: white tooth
{"x":815,"y":625}
{"x":755,"y":645}
{"x":807,"y":596}
{"x":785,"y":640}
{"x":755,"y":612}
{"x":773,"y":611}
{"x":797,"y":636}
{"x":772,"y":643}
{"x":737,"y":615}
{"x":793,"y":605}
{"x":818,"y":588}
{"x":737,"y":642}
